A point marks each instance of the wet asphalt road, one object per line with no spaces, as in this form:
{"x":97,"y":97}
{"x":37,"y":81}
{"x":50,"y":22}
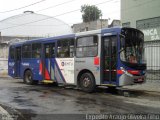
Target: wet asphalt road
{"x":48,"y":102}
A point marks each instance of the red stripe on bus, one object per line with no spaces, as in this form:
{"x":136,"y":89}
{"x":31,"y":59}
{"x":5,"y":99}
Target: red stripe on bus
{"x":47,"y":77}
{"x":120,"y":72}
{"x":40,"y":67}
{"x":134,"y":72}
{"x":96,"y":61}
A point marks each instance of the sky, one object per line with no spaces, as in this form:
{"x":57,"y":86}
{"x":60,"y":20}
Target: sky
{"x":60,"y":9}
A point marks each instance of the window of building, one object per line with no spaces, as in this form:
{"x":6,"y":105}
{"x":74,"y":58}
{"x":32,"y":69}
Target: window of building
{"x":26,"y":51}
{"x":87,"y":46}
{"x":127,"y":24}
{"x":65,"y":48}
{"x":36,"y":50}
{"x":148,"y":23}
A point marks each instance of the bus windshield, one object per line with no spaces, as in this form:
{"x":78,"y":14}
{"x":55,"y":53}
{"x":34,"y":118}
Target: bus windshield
{"x":132,"y":46}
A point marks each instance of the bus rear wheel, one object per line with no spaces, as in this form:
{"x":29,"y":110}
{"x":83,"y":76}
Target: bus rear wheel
{"x":87,"y":82}
{"x":28,"y":78}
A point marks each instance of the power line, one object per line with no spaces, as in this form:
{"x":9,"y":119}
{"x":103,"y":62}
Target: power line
{"x":55,"y":5}
{"x":23,"y":6}
{"x":47,"y":8}
{"x":72,"y":12}
{"x":53,"y":16}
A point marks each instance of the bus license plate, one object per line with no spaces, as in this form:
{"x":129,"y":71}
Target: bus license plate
{"x":140,"y":79}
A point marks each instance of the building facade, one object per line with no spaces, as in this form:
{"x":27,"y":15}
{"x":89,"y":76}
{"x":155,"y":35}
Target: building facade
{"x":145,"y":15}
{"x":29,"y":25}
{"x":93,"y":25}
{"x":26,"y":26}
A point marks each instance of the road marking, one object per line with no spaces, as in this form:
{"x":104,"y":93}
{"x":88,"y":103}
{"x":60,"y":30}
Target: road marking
{"x":5,"y":115}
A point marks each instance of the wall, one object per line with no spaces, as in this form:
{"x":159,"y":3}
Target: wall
{"x":93,"y":25}
{"x":145,"y":15}
{"x":133,"y":10}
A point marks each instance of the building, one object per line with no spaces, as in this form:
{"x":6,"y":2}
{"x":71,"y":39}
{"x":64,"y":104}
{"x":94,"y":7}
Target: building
{"x":26,"y":26}
{"x":30,"y":25}
{"x":115,"y":23}
{"x":93,"y":25}
{"x":145,"y":15}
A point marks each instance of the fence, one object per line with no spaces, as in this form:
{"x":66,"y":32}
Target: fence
{"x":152,"y":56}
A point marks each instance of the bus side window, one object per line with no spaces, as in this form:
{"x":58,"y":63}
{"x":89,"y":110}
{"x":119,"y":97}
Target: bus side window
{"x":12,"y":52}
{"x":36,"y":50}
{"x":65,"y":48}
{"x":50,"y":50}
{"x":87,"y":46}
{"x":18,"y":53}
{"x":47,"y":51}
{"x":71,"y":49}
{"x":53,"y":50}
{"x":26,"y":51}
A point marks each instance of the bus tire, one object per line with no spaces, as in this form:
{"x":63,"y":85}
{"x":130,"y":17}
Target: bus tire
{"x":87,"y":82}
{"x":28,"y":78}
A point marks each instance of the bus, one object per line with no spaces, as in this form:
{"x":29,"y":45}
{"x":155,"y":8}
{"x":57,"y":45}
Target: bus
{"x":106,"y":57}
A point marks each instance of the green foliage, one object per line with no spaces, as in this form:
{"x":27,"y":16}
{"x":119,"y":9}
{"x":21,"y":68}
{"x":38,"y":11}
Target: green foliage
{"x":90,"y":13}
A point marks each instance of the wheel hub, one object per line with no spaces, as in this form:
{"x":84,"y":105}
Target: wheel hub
{"x":86,"y":82}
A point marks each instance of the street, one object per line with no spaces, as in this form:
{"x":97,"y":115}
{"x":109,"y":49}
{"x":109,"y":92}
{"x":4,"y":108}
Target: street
{"x":28,"y":102}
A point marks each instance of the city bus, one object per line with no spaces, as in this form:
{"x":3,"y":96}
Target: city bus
{"x":106,"y":57}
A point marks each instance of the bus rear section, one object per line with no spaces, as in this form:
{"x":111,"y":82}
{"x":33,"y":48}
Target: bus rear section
{"x":24,"y":60}
{"x":14,"y":61}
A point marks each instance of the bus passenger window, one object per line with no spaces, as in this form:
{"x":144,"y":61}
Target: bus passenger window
{"x":71,"y":50}
{"x":52,"y":50}
{"x":65,"y":48}
{"x":18,"y":53}
{"x":12,"y":52}
{"x":26,"y":51}
{"x":87,"y":46}
{"x":36,"y":50}
{"x":47,"y":51}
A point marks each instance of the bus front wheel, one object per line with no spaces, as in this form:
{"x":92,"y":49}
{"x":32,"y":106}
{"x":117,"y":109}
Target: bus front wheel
{"x":87,"y":82}
{"x":28,"y":78}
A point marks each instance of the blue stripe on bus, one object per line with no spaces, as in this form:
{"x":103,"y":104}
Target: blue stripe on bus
{"x":59,"y":71}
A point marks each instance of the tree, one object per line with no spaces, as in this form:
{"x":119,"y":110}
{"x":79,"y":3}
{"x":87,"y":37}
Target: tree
{"x":90,"y":13}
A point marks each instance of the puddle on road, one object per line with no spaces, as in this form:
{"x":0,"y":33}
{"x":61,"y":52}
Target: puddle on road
{"x":18,"y":114}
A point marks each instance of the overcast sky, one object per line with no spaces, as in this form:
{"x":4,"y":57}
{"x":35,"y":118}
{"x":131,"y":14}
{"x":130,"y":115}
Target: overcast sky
{"x":110,"y":8}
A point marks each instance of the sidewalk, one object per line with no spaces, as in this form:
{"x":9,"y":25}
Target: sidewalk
{"x":150,"y":85}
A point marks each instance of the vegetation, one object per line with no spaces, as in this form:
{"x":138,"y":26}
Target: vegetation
{"x":90,"y":13}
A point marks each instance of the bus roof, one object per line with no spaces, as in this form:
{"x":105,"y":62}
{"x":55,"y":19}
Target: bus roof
{"x":99,"y":31}
{"x":43,"y":39}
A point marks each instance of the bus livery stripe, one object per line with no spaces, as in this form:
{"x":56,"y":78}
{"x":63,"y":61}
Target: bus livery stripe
{"x":59,"y":72}
{"x":40,"y":67}
{"x":120,"y":72}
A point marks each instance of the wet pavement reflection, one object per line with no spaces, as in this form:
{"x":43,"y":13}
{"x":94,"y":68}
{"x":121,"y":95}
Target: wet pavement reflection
{"x":46,"y":101}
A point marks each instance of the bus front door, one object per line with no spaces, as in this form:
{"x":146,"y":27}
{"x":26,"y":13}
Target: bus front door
{"x":49,"y":61}
{"x":109,"y":57}
{"x":17,"y":61}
